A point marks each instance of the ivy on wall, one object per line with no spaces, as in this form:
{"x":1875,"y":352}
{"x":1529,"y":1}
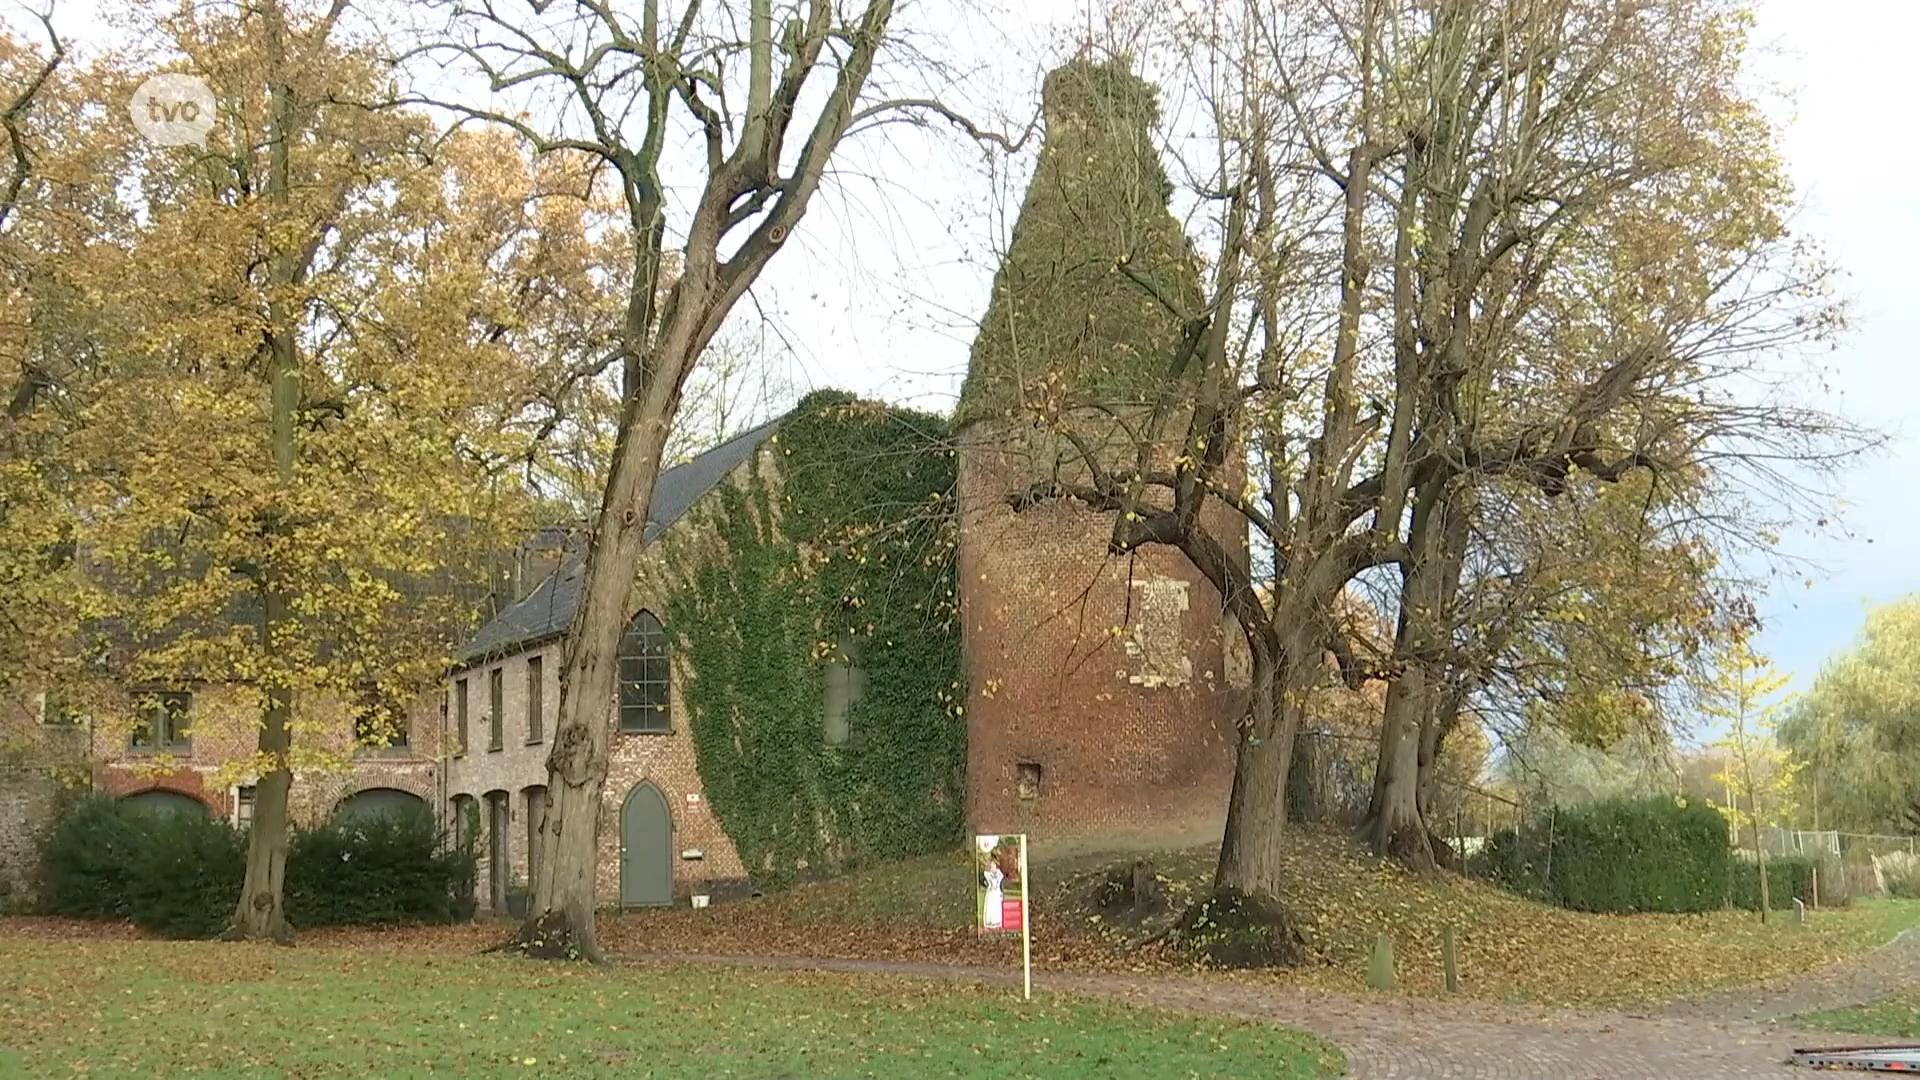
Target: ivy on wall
{"x":849,"y":538}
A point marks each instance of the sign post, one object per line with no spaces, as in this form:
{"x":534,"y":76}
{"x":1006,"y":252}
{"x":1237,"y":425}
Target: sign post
{"x":1001,"y":895}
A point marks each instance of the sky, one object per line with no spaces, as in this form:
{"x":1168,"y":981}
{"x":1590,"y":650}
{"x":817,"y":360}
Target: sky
{"x":1849,"y":127}
{"x":879,"y":290}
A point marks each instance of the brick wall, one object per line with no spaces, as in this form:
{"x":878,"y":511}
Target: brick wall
{"x":225,"y":732}
{"x":1131,"y":732}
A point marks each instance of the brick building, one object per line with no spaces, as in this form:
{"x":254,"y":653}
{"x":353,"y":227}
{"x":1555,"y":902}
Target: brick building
{"x":1102,"y":689}
{"x":657,"y":838}
{"x":185,"y":754}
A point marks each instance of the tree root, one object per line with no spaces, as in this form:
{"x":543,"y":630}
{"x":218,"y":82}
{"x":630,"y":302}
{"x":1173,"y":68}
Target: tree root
{"x":1234,"y":929}
{"x":551,"y":936}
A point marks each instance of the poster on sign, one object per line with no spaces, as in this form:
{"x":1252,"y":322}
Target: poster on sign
{"x":1000,"y":893}
{"x":1000,"y":883}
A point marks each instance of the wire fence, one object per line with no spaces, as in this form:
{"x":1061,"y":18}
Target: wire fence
{"x":1849,"y":864}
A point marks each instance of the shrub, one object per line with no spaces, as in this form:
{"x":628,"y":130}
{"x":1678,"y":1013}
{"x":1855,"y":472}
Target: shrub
{"x":1618,"y":856}
{"x":385,"y":869}
{"x":179,"y":875}
{"x":184,"y":878}
{"x":86,"y":860}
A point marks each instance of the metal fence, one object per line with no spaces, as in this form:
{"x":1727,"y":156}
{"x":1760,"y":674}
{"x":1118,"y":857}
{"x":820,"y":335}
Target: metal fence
{"x":1851,"y":864}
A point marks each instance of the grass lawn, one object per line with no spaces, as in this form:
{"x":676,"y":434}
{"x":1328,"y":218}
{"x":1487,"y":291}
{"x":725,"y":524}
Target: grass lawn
{"x":1897,"y":1017}
{"x":102,"y":1008}
{"x":1510,"y":948}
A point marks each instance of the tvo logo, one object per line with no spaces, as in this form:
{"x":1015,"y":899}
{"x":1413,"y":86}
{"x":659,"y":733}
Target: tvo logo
{"x":173,"y":110}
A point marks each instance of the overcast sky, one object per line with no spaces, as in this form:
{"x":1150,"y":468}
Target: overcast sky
{"x":879,"y":291}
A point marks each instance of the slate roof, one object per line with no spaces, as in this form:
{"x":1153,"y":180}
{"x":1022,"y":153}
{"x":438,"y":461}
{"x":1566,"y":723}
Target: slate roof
{"x":547,"y":611}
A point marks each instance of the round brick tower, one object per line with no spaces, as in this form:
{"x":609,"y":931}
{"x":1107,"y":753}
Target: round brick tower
{"x":1100,"y":706}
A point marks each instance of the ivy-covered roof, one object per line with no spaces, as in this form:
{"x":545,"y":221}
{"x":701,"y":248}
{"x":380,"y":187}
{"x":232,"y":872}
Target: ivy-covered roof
{"x":1066,"y":324}
{"x":547,"y":611}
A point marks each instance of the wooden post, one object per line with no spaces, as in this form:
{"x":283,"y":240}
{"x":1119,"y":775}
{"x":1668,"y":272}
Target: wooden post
{"x":1026,"y":925}
{"x":1380,"y":964}
{"x":1450,"y":959}
{"x":1816,"y":887}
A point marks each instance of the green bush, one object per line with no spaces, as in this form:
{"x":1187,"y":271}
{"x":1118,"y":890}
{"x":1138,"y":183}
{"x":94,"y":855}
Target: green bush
{"x":179,"y":875}
{"x":1619,"y":856}
{"x":86,"y":860}
{"x":377,"y":871}
{"x":1788,"y":878}
{"x":185,"y":878}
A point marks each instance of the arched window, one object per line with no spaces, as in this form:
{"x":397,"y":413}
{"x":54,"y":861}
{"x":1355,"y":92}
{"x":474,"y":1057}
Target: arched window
{"x":644,"y":675}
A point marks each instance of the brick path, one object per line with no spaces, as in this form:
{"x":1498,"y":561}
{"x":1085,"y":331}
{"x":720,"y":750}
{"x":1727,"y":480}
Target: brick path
{"x":1724,"y":1035}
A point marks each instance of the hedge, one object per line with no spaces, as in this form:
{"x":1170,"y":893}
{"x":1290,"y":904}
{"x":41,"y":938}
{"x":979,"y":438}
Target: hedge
{"x":185,"y":876}
{"x":1787,"y":878}
{"x":1618,"y":856}
{"x":377,"y":871}
{"x":87,"y":860}
{"x":180,"y":875}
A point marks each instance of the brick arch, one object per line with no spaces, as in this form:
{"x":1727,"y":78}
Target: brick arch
{"x":412,"y":785}
{"x":212,"y":810}
{"x":348,"y":799}
{"x":186,"y":782}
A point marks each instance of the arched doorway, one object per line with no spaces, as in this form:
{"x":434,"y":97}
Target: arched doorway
{"x":366,"y":805}
{"x":646,"y":848}
{"x":163,"y":803}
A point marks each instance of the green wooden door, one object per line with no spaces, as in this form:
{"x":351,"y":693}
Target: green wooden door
{"x":646,"y":848}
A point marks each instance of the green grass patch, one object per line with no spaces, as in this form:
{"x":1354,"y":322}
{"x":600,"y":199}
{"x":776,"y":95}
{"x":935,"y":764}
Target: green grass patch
{"x":142,"y":1008}
{"x":1898,"y":1017}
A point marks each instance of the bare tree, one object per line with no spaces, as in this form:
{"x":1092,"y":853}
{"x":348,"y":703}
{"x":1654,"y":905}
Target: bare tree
{"x":1535,"y":243}
{"x":623,"y":83}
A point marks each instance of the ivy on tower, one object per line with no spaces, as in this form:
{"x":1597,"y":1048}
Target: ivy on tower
{"x":1080,"y":307}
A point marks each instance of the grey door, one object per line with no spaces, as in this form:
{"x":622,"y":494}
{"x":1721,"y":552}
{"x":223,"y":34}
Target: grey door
{"x":646,"y":848}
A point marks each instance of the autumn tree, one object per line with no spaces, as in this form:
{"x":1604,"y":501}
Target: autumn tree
{"x":294,"y":462}
{"x":36,"y":594}
{"x":1744,"y":694}
{"x":1578,"y":280}
{"x":768,"y":92}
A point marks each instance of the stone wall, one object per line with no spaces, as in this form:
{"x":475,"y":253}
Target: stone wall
{"x":39,"y":765}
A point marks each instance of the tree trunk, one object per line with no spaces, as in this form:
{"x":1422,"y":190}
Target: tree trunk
{"x":1433,"y":738}
{"x":260,"y":914}
{"x":1252,"y":852}
{"x":1306,"y":801}
{"x":560,"y":914}
{"x":1395,"y":826}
